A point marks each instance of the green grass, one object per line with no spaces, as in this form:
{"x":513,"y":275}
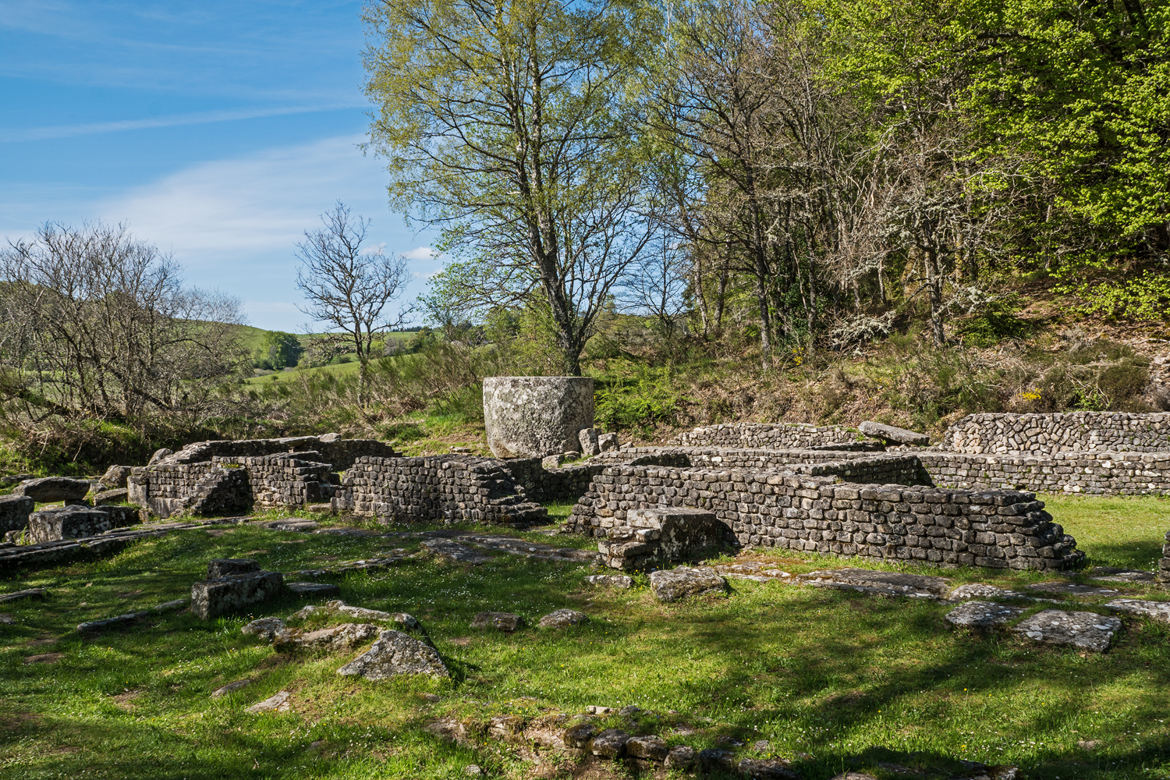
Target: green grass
{"x":831,"y":680}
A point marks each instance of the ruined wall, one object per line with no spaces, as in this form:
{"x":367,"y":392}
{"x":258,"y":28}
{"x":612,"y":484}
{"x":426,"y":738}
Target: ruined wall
{"x":771,"y":436}
{"x":1094,"y":473}
{"x":1052,"y":433}
{"x":999,"y":529}
{"x":332,"y":449}
{"x":1164,"y":563}
{"x":448,"y":488}
{"x":283,"y":480}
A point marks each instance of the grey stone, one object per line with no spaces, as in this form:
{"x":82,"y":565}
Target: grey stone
{"x":212,"y":598}
{"x":893,"y":434}
{"x":766,"y":769}
{"x":563,"y":618}
{"x":536,"y":416}
{"x":982,"y":615}
{"x":333,"y":639}
{"x":395,"y":654}
{"x":312,"y":589}
{"x":680,"y":757}
{"x":662,"y":536}
{"x":219,"y":568}
{"x":607,"y":442}
{"x":279,"y":702}
{"x":231,"y":687}
{"x":1086,"y":630}
{"x":115,"y":477}
{"x":161,"y":454}
{"x":76,"y":522}
{"x":404,"y":620}
{"x":609,"y":744}
{"x":649,"y":747}
{"x":111,"y":623}
{"x":28,"y":593}
{"x":980,"y":590}
{"x":292,"y":524}
{"x":114,"y":496}
{"x":620,"y":581}
{"x":883,"y":583}
{"x":1155,"y":610}
{"x":47,"y":489}
{"x":266,"y":628}
{"x":1073,"y":589}
{"x":588,"y":439}
{"x":675,"y":584}
{"x":14,"y":512}
{"x":1111,"y":574}
{"x":500,"y":621}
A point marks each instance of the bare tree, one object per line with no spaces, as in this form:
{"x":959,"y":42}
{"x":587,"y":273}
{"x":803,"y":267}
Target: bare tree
{"x":96,"y":325}
{"x":348,"y":288}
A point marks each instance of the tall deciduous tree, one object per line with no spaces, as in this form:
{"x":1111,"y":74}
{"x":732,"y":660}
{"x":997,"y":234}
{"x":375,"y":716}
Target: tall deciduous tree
{"x":511,"y":125}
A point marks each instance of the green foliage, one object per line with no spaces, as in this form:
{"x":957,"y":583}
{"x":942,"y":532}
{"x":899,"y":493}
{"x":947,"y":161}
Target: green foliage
{"x":997,"y":322}
{"x":637,"y":404}
{"x":277,"y":350}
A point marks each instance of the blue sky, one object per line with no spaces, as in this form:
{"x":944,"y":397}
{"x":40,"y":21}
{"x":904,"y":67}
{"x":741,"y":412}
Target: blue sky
{"x":218,"y":131}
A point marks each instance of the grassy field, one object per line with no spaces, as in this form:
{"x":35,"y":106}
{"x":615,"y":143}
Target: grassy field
{"x":832,"y":681}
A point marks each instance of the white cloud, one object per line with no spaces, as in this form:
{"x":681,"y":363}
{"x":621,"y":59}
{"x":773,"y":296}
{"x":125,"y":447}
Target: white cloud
{"x":420,"y":253}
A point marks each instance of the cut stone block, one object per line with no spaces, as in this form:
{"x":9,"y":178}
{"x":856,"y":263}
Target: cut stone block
{"x":212,"y":598}
{"x":893,"y":434}
{"x":883,"y":583}
{"x":47,"y":489}
{"x":620,"y":581}
{"x":396,"y":654}
{"x":501,"y":621}
{"x":563,"y":618}
{"x":1086,"y":630}
{"x":663,"y":536}
{"x":75,"y":522}
{"x":14,"y":513}
{"x":590,"y":445}
{"x":115,"y":477}
{"x":675,"y":584}
{"x":533,"y":416}
{"x":313,"y":589}
{"x":218,"y":568}
{"x":979,"y":590}
{"x":1073,"y":589}
{"x":982,"y":615}
{"x":608,"y":442}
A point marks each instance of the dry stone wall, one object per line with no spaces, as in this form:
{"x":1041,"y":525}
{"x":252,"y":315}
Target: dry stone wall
{"x":998,"y":529}
{"x":284,"y":481}
{"x":331,"y":449}
{"x":1053,"y":433}
{"x":772,"y":436}
{"x":1094,"y":473}
{"x":208,"y":489}
{"x":448,"y":488}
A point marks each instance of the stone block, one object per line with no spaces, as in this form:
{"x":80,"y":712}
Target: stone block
{"x":680,"y":583}
{"x":48,"y":489}
{"x":212,"y":598}
{"x":221,"y":568}
{"x":75,"y":522}
{"x":14,"y":512}
{"x":894,"y":434}
{"x":536,"y":416}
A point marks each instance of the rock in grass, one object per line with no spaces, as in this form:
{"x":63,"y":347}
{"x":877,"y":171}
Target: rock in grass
{"x":1155,"y":610}
{"x":980,"y":590}
{"x":266,"y":628}
{"x":893,"y":434}
{"x":981,"y":615}
{"x":224,"y":690}
{"x":312,"y":589}
{"x":396,"y":654}
{"x":650,"y":748}
{"x":279,"y":702}
{"x":766,"y":769}
{"x":680,"y":757}
{"x":28,"y":593}
{"x":563,"y":618}
{"x":501,"y":621}
{"x":675,"y":584}
{"x":346,"y":636}
{"x":47,"y":489}
{"x":1086,"y":630}
{"x":610,"y":744}
{"x":407,"y":622}
{"x":610,"y":581}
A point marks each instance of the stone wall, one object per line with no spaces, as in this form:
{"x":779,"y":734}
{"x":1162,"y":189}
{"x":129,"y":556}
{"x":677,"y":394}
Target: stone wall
{"x":332,"y":449}
{"x":14,"y":512}
{"x":999,"y":529}
{"x":208,"y":489}
{"x":1052,"y":433}
{"x":448,"y":488}
{"x":1094,"y":473}
{"x":569,"y":483}
{"x":771,"y":436}
{"x":283,"y":480}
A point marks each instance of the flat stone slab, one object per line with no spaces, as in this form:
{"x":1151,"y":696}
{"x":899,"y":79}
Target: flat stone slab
{"x":266,"y":628}
{"x":894,"y":434}
{"x":291,"y":524}
{"x":1111,"y":574}
{"x":756,"y":571}
{"x":982,"y":615}
{"x":500,"y":621}
{"x":453,"y":551}
{"x":563,"y":618}
{"x":211,"y":598}
{"x":29,"y":593}
{"x":685,"y":581}
{"x":1155,"y":610}
{"x":312,"y":589}
{"x":47,"y":489}
{"x":1073,"y":589}
{"x":279,"y":702}
{"x":404,"y":620}
{"x":218,"y":568}
{"x":14,"y":512}
{"x":620,"y":581}
{"x":882,"y":583}
{"x":396,"y":654}
{"x":1086,"y":630}
{"x":980,"y":590}
{"x":333,"y":639}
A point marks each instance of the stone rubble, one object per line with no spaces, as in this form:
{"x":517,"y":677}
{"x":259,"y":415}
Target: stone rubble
{"x":684,"y":581}
{"x":620,"y":581}
{"x":656,"y":537}
{"x":394,"y":654}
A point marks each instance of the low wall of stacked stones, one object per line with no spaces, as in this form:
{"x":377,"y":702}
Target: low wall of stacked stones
{"x":772,"y":436}
{"x":999,"y":529}
{"x":880,"y":468}
{"x":1091,"y":473}
{"x":448,"y":488}
{"x":282,"y":480}
{"x":340,"y":453}
{"x":1051,"y":433}
{"x":569,"y":483}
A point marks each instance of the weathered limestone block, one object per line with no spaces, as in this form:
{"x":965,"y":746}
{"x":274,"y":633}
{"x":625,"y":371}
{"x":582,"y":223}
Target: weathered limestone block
{"x":211,"y":598}
{"x":266,"y":628}
{"x":882,"y":583}
{"x":530,"y":416}
{"x":75,"y":522}
{"x":395,"y":654}
{"x":590,"y":443}
{"x":661,"y":536}
{"x":500,"y":621}
{"x":115,"y":477}
{"x":222,"y":568}
{"x":48,"y":489}
{"x":607,"y":442}
{"x":1086,"y":630}
{"x":333,"y":639}
{"x":14,"y":512}
{"x":1164,"y":563}
{"x":1155,"y":610}
{"x":981,"y":615}
{"x":893,"y":434}
{"x":675,"y":584}
{"x":113,"y":496}
{"x":562,"y":618}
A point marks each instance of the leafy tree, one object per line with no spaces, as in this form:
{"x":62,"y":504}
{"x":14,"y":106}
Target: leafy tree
{"x":279,"y":350}
{"x":512,"y":126}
